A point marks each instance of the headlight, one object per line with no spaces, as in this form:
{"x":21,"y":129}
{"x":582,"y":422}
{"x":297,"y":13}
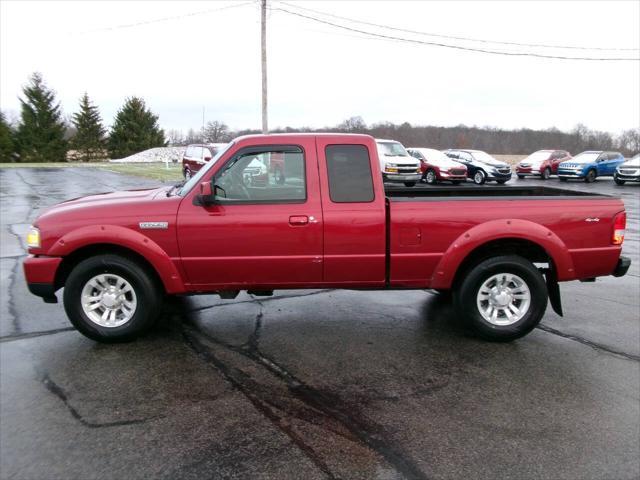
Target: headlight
{"x":33,"y":238}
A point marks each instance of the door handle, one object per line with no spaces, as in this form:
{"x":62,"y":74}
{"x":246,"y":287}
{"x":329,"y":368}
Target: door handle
{"x":298,"y":220}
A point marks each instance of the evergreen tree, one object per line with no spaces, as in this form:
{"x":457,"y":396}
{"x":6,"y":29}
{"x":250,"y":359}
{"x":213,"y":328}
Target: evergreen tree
{"x":135,"y":129}
{"x":89,"y":136}
{"x":6,"y":140}
{"x":40,"y":136}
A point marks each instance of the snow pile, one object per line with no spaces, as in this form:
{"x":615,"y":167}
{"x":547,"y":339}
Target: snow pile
{"x":158,"y":154}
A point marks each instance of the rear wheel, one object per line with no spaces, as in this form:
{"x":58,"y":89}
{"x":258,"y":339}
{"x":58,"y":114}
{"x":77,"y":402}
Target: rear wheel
{"x":521,"y":177}
{"x":409,"y":184}
{"x":502,"y":298}
{"x":546,"y":174}
{"x":431,"y":177}
{"x":280,"y":178}
{"x":187,"y":174}
{"x":479,"y":177}
{"x":110,"y":298}
{"x":591,"y":176}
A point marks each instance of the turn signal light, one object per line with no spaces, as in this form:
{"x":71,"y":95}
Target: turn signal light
{"x":619,"y":225}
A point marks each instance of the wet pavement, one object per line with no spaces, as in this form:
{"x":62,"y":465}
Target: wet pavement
{"x":314,"y":384}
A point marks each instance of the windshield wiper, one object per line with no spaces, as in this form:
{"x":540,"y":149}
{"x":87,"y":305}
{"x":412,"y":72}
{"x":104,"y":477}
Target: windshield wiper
{"x":174,"y":187}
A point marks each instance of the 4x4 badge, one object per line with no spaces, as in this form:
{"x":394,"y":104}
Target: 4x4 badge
{"x":154,"y":225}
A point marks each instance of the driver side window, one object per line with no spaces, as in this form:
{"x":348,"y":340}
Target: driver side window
{"x":269,"y":175}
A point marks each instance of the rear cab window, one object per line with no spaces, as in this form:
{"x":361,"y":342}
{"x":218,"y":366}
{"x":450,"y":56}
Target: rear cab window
{"x":349,"y":174}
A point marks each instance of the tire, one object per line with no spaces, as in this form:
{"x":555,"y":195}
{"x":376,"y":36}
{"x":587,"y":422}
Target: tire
{"x":501,"y":182}
{"x":409,"y":184}
{"x":618,"y":181}
{"x":521,"y":177}
{"x":144,"y":293}
{"x":479,"y":177}
{"x":431,"y":177}
{"x":591,"y":176}
{"x":562,"y":179}
{"x":187,"y":174}
{"x":468,"y":303}
{"x":456,"y":182}
{"x":280,"y":178}
{"x":546,"y":174}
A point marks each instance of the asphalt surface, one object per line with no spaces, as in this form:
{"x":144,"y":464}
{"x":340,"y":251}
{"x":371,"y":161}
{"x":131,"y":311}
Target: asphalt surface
{"x":314,"y":384}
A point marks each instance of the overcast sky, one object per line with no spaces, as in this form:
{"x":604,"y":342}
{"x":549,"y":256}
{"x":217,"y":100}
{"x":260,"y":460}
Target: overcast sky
{"x":320,"y":75}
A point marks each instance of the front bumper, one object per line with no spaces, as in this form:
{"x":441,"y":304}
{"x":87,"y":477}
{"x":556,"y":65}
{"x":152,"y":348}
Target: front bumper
{"x":40,"y":274}
{"x":571,"y":174}
{"x":498,"y":176}
{"x":393,"y":177}
{"x":622,"y":266}
{"x":627,"y":178}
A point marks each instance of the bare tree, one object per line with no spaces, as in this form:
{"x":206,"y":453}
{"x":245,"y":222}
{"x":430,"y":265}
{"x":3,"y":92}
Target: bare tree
{"x":193,"y":136}
{"x":353,"y":124}
{"x":216,"y":132}
{"x":175,"y":137}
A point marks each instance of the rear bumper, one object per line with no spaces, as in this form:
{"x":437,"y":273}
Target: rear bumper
{"x":622,"y":266}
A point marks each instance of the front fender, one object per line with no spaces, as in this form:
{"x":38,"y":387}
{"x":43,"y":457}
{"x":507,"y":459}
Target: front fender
{"x":122,"y":237}
{"x":503,"y":229}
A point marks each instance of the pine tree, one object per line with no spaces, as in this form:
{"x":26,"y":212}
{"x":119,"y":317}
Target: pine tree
{"x":40,"y":136}
{"x":135,"y":129}
{"x":6,"y":140}
{"x":88,"y":140}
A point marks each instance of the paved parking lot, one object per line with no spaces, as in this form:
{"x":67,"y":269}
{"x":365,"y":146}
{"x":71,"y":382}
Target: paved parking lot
{"x":314,"y":384}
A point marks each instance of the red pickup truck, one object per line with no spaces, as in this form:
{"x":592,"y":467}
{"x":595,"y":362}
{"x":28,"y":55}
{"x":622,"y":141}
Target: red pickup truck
{"x":330,"y":223}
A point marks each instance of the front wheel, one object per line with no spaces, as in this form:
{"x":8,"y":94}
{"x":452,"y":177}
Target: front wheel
{"x":618,"y":181}
{"x":562,"y":179}
{"x":431,"y":177}
{"x":521,"y":177}
{"x":110,"y":298}
{"x":455,"y":182}
{"x":546,"y":174}
{"x":187,"y":174}
{"x":479,"y":177}
{"x":502,"y":298}
{"x":591,"y":176}
{"x":409,"y":184}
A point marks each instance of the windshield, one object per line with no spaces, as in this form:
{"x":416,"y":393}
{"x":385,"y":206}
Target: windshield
{"x":437,"y":156}
{"x":195,"y":180}
{"x":537,"y":157}
{"x":392,"y":149}
{"x":484,"y":157}
{"x":635,"y":160}
{"x":586,"y":157}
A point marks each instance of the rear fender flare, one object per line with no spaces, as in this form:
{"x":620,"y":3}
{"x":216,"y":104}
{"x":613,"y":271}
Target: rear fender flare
{"x":503,"y":229}
{"x":122,"y":237}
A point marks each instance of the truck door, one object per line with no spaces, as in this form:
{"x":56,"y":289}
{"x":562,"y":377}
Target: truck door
{"x":354,"y":214}
{"x":262,"y":231}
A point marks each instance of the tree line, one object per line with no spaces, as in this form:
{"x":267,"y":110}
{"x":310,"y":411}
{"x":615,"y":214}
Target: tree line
{"x":43,"y":135}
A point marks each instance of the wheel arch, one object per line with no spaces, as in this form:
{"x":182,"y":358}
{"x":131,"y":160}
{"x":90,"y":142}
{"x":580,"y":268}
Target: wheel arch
{"x":502,"y":237}
{"x":104,"y":239}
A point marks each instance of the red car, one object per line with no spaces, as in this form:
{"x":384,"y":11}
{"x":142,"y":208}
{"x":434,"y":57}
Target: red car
{"x":331,"y":224}
{"x":542,"y":163}
{"x":437,"y":167}
{"x":195,"y":156}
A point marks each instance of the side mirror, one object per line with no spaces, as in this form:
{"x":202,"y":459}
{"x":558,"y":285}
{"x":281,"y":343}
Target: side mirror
{"x":207,"y":158}
{"x":205,"y":197}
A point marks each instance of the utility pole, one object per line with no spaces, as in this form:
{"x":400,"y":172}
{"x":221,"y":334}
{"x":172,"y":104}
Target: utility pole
{"x":263,"y":37}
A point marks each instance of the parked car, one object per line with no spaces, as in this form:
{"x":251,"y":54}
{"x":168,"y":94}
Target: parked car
{"x":196,"y":155}
{"x":437,"y":167}
{"x":332,"y":225}
{"x":589,"y":165}
{"x":542,"y":163}
{"x":628,"y":172}
{"x":396,"y":163}
{"x":481,"y":167}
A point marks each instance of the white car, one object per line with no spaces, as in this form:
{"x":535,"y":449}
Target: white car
{"x":396,"y":164}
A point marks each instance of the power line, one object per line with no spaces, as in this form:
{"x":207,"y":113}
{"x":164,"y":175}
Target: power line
{"x":445,"y":45}
{"x":164,"y":19}
{"x":451,"y":37}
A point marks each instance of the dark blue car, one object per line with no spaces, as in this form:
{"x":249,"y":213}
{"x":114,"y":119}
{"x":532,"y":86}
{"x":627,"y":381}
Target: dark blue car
{"x":589,"y":165}
{"x":481,"y":167}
